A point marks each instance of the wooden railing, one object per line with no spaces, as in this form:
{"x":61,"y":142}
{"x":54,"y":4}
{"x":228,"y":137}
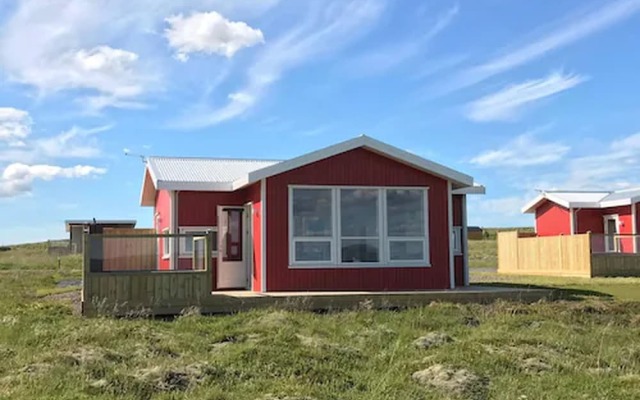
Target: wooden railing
{"x":124,"y":272}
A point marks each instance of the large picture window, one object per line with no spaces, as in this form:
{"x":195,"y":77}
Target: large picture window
{"x":354,"y":226}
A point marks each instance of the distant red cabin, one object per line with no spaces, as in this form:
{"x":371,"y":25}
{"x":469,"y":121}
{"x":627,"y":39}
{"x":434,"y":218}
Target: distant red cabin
{"x":358,"y":215}
{"x":610,"y":216}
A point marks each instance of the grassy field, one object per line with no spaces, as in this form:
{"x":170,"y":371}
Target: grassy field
{"x":587,"y":348}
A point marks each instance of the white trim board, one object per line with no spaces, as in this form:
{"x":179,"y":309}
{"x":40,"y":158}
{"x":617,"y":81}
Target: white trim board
{"x":263,"y":235}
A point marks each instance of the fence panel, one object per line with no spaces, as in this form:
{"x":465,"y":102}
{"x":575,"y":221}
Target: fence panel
{"x":553,"y":255}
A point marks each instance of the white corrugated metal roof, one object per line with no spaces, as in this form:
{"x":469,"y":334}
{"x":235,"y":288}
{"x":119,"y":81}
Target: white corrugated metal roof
{"x":201,"y":171}
{"x":585,"y":199}
{"x":622,"y":195}
{"x":218,"y":174}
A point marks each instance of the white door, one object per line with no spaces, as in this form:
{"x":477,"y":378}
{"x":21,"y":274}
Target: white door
{"x":232,"y":243}
{"x":610,"y":230}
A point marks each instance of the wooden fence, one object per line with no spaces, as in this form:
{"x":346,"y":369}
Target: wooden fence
{"x":551,"y":256}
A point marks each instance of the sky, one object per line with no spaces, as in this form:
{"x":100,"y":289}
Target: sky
{"x":522,"y":95}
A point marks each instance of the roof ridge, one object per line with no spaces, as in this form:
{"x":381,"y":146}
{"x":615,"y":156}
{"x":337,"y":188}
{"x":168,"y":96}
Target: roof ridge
{"x":214,"y":158}
{"x":626,"y":190}
{"x":576,"y":191}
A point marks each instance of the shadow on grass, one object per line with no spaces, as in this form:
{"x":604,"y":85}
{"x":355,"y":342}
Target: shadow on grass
{"x":559,"y":293}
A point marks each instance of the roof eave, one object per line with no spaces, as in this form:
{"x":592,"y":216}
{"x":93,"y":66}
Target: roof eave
{"x":196,"y":186}
{"x":475,"y":189}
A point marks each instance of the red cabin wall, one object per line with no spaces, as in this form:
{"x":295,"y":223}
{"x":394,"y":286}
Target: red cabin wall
{"x":201,"y":209}
{"x":356,"y":167}
{"x":552,"y":219}
{"x":458,"y":261}
{"x":254,"y":196}
{"x":162,"y":220}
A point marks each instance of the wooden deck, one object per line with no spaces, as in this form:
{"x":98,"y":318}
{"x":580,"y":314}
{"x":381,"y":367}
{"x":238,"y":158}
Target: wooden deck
{"x":126,"y":291}
{"x":235,"y":301}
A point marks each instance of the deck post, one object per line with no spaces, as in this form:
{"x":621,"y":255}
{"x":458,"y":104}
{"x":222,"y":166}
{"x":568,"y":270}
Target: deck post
{"x":208,"y":247}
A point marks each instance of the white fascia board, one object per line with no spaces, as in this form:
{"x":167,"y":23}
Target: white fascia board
{"x":384,"y":149}
{"x":615,"y":203}
{"x":530,"y":207}
{"x":196,"y":186}
{"x":475,"y":189}
{"x":559,"y":201}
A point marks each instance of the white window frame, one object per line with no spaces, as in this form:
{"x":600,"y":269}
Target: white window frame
{"x":456,"y":237}
{"x":197,"y":229}
{"x":616,"y":242}
{"x":336,"y":238}
{"x":166,"y":244}
{"x":293,"y":240}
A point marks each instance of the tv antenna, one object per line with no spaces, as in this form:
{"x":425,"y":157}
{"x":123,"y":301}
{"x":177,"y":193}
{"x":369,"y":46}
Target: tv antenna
{"x":128,"y":153}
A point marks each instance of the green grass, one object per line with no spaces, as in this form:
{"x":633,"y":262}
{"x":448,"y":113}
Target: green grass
{"x":483,"y":254}
{"x":622,"y":289}
{"x":589,"y":348}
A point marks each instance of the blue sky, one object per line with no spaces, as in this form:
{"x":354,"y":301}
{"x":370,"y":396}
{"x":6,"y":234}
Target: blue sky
{"x":522,"y":95}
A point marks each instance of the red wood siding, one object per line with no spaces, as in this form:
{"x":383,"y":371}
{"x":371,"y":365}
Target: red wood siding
{"x":356,"y":167}
{"x":552,"y":219}
{"x":457,"y":210}
{"x":458,"y":263}
{"x":588,"y":220}
{"x":592,"y":220}
{"x":201,"y":208}
{"x":162,"y":220}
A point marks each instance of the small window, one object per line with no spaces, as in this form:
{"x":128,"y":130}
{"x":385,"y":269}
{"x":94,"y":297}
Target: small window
{"x":456,"y":236}
{"x":186,"y":242}
{"x":166,"y":244}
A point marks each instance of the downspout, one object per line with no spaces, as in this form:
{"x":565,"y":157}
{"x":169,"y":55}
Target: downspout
{"x":572,"y":226}
{"x":452,"y":276}
{"x":575,"y":220}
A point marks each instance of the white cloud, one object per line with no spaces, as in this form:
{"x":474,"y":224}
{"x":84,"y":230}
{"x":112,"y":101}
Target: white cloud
{"x":568,"y":31}
{"x":522,"y":151}
{"x":66,"y":53}
{"x":508,"y":102}
{"x":386,"y":57}
{"x":102,"y":52}
{"x":506,"y":206}
{"x":613,"y":166}
{"x":325,"y":31}
{"x":209,"y":33}
{"x":15,"y":126}
{"x":75,"y":143}
{"x":18,"y":178}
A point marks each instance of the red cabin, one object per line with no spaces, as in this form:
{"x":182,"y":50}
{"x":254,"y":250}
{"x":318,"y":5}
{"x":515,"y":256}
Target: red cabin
{"x":611,"y":217}
{"x":358,"y":215}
